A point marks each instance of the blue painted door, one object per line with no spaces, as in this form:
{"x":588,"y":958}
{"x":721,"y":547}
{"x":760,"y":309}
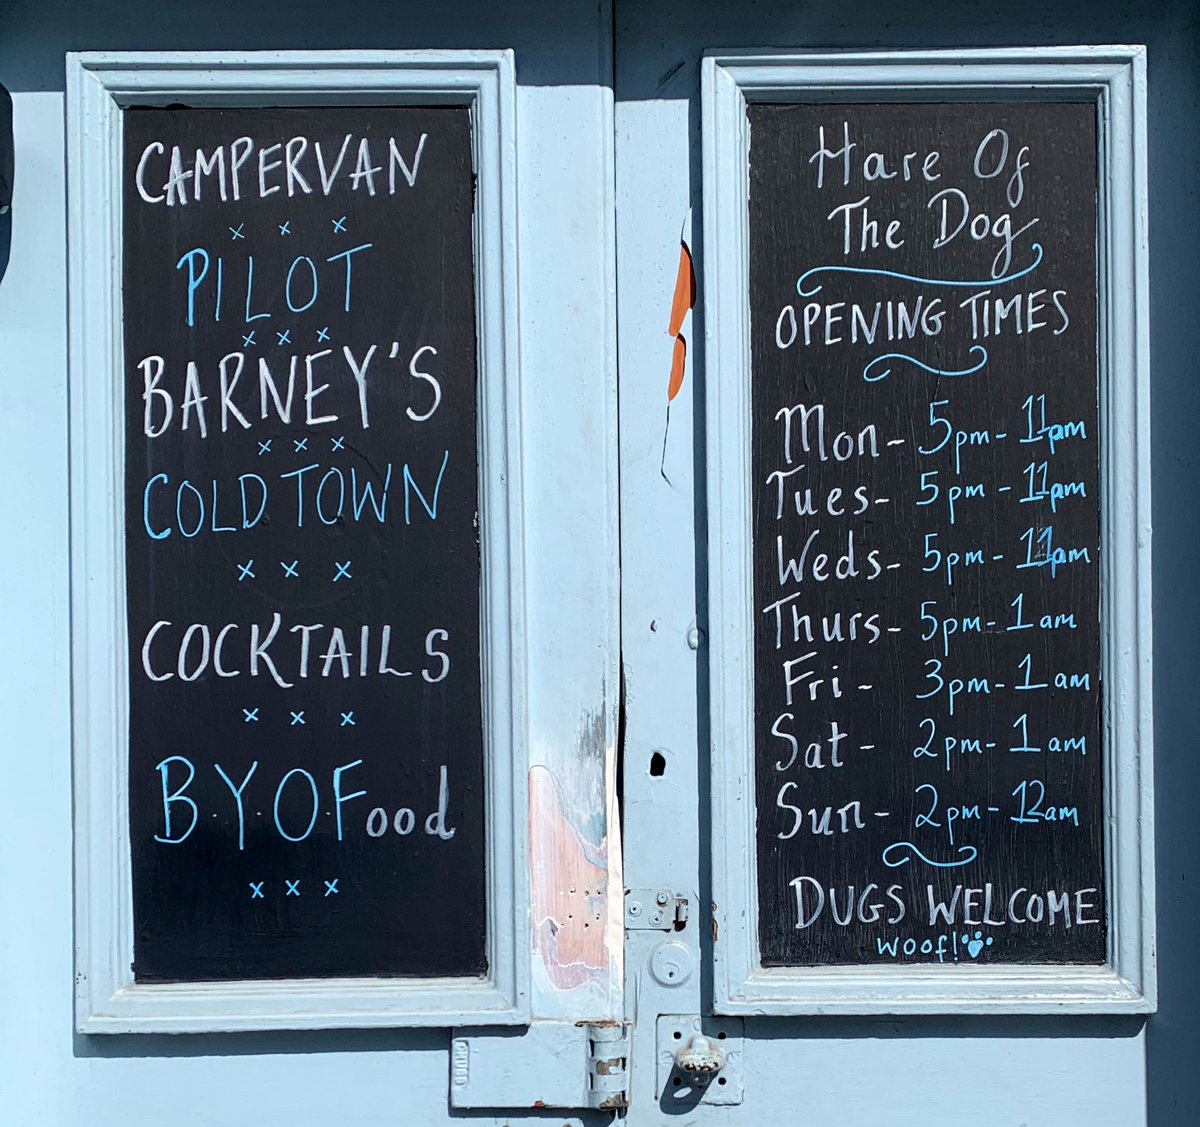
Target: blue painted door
{"x":859,"y":1071}
{"x":556,"y":163}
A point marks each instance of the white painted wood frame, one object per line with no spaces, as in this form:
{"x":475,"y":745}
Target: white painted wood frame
{"x":1114,"y":77}
{"x":99,"y":87}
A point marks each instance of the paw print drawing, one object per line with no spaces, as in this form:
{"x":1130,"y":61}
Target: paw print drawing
{"x":976,"y":945}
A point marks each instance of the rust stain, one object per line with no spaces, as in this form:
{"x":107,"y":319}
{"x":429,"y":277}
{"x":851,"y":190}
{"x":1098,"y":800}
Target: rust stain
{"x":570,"y":885}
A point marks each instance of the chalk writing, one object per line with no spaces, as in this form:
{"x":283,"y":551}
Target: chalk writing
{"x":302,"y":543}
{"x":925,"y":539}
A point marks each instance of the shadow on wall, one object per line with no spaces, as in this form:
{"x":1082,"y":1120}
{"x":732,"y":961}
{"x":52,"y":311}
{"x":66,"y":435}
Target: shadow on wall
{"x":6,"y":178}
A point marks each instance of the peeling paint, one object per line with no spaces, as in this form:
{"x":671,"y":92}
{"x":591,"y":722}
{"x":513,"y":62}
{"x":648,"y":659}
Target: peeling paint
{"x":683,"y":300}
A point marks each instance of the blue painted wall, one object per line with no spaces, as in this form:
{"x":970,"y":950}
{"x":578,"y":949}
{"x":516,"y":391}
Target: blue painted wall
{"x":34,"y":34}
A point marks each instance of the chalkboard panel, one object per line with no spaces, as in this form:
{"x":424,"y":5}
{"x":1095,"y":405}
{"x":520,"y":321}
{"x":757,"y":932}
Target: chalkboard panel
{"x":926,"y":527}
{"x":306,"y":768}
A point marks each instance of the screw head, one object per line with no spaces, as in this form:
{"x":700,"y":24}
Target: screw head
{"x":662,"y":898}
{"x":635,"y":909}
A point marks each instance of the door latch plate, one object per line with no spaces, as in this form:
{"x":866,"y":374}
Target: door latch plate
{"x":676,"y":1088}
{"x":654,"y":909}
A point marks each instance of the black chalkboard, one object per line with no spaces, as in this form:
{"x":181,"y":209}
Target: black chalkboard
{"x":926,"y":532}
{"x":302,"y":543}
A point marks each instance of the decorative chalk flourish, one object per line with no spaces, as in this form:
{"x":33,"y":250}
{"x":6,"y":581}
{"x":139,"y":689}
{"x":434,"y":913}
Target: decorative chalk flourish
{"x":975,"y":348}
{"x":974,"y":283}
{"x":899,"y":846}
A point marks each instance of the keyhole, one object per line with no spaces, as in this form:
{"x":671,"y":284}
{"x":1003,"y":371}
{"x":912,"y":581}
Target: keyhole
{"x":658,"y":765}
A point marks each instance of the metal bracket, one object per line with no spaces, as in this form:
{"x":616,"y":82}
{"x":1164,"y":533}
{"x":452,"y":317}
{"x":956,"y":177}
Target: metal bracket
{"x":676,"y":1088}
{"x":655,"y":909}
{"x":551,"y":1064}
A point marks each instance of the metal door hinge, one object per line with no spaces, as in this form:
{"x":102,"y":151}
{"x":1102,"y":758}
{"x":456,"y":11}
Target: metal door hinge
{"x":608,"y":1065}
{"x":655,"y":909}
{"x":551,"y":1064}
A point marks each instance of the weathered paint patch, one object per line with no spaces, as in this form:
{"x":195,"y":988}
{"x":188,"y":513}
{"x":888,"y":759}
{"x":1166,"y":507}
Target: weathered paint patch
{"x":570,"y":889}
